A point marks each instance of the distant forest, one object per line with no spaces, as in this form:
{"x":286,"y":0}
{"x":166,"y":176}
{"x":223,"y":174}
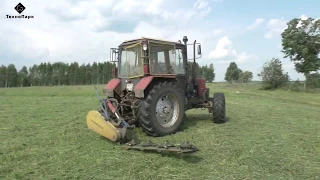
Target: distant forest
{"x":55,"y":74}
{"x":59,"y":73}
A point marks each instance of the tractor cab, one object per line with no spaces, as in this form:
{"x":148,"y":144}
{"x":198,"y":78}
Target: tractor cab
{"x":139,"y":58}
{"x":145,"y":56}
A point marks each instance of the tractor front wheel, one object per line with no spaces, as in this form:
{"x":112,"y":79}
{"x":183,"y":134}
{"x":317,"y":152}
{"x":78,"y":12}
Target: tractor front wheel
{"x":162,"y":111}
{"x":219,"y":108}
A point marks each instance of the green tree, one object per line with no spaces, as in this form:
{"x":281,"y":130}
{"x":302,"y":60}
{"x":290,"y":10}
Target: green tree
{"x":89,"y":74}
{"x":42,"y":70}
{"x":33,"y":75}
{"x":301,"y":43}
{"x":94,"y":73}
{"x":100,"y":73}
{"x":313,"y":80}
{"x":73,"y":73}
{"x":200,"y":71}
{"x":246,"y":76}
{"x":272,"y":75}
{"x":12,"y":76}
{"x":49,"y":74}
{"x":3,"y":76}
{"x":23,"y":77}
{"x":233,"y":72}
{"x":58,"y":73}
{"x":204,"y":70}
{"x":208,"y":73}
{"x":82,"y":74}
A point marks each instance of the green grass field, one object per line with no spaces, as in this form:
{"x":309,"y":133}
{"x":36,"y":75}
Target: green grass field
{"x":269,"y":135}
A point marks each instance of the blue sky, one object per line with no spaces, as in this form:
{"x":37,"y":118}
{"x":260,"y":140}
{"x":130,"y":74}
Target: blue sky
{"x":244,"y":31}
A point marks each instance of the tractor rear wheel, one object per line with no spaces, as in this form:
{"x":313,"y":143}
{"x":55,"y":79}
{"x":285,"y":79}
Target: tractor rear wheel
{"x":219,"y":108}
{"x":163,"y":110}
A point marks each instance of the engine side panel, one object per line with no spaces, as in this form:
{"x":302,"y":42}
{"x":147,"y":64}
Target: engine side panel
{"x":141,"y":86}
{"x":201,"y":83}
{"x":111,"y":87}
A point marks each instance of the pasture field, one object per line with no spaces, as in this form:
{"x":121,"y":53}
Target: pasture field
{"x":269,"y":135}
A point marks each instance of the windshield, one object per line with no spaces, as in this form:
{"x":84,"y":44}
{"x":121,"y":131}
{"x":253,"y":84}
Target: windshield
{"x":165,"y":59}
{"x":131,"y":63}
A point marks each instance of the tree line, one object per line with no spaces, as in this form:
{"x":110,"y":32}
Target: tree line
{"x":206,"y":72}
{"x":55,"y":74}
{"x":272,"y":76}
{"x":235,"y":74}
{"x":59,"y":73}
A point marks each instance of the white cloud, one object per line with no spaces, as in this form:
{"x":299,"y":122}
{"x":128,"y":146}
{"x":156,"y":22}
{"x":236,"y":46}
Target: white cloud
{"x":256,"y":24}
{"x":289,"y":66}
{"x":305,"y":17}
{"x":201,"y":4}
{"x":302,"y":17}
{"x":154,"y":7}
{"x":223,"y":49}
{"x":225,"y":52}
{"x":79,"y":31}
{"x":275,"y":27}
{"x":201,"y":8}
{"x":217,"y":32}
{"x":84,"y":30}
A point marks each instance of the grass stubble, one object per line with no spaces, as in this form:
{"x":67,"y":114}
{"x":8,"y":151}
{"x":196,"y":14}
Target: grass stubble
{"x":269,"y":135}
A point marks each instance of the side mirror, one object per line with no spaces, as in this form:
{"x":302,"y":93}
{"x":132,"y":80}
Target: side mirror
{"x":114,"y":72}
{"x":114,"y":54}
{"x":199,"y":49}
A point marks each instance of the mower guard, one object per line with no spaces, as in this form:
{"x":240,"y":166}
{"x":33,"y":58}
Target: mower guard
{"x":98,"y":124}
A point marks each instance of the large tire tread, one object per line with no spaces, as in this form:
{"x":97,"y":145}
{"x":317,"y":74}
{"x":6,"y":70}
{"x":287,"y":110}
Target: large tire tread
{"x":219,"y":109}
{"x":144,"y":115}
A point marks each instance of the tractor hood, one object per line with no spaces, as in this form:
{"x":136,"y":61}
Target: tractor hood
{"x":117,"y":85}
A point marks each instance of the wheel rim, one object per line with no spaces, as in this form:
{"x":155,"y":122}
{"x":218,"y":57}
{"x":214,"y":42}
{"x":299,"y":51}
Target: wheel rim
{"x":167,"y":110}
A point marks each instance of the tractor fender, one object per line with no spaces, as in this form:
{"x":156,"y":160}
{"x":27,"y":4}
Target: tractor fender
{"x":111,"y":87}
{"x":141,"y":86}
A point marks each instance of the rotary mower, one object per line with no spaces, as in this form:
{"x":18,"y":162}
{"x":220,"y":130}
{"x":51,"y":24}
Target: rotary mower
{"x":153,"y":85}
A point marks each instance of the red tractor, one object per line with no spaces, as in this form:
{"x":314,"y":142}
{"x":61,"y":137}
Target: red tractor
{"x":153,"y":85}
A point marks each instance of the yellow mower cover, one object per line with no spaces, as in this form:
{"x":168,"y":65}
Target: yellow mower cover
{"x":98,"y":124}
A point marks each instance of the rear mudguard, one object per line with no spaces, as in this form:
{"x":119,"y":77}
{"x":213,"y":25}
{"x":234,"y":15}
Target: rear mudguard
{"x":111,"y":87}
{"x":141,"y":86}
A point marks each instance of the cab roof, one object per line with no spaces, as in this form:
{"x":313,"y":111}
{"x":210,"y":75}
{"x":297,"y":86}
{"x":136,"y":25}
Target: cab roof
{"x":134,"y":41}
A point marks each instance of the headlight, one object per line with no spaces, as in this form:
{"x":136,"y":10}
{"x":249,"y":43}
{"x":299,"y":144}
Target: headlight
{"x":145,"y":47}
{"x":129,"y":86}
